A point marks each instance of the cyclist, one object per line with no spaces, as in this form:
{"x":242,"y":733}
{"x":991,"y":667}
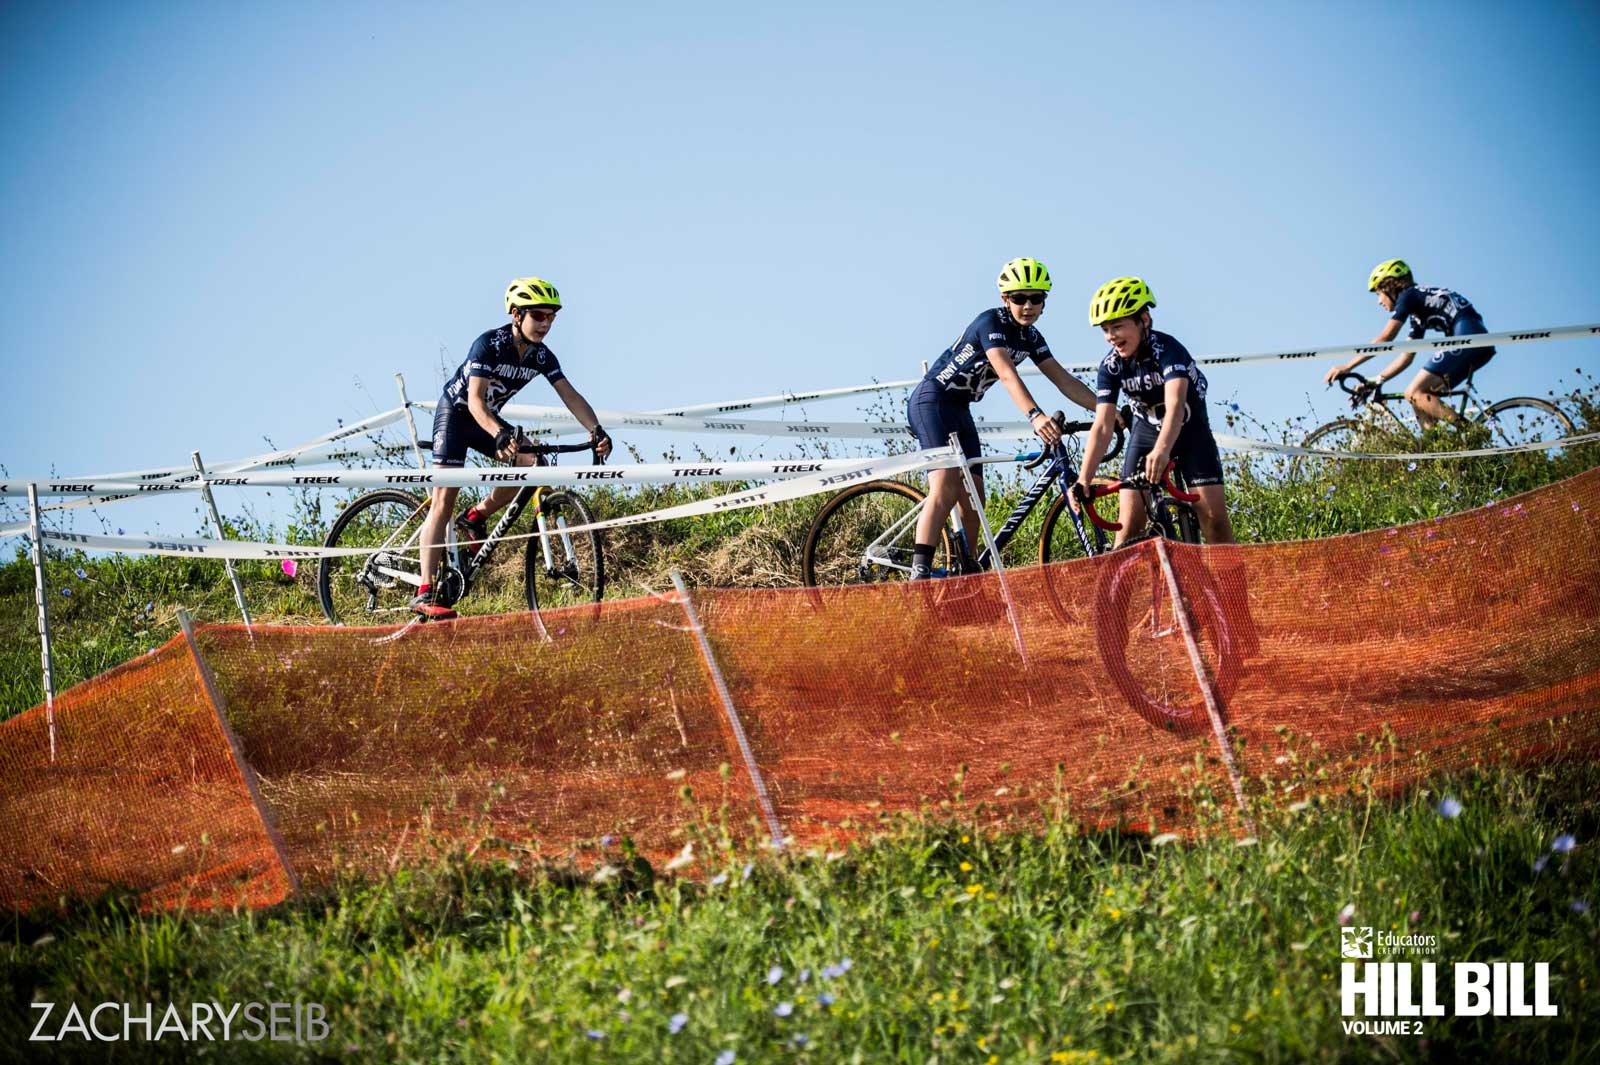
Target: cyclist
{"x":989,"y":350}
{"x":1167,"y":393}
{"x":1428,"y":308}
{"x":498,"y":364}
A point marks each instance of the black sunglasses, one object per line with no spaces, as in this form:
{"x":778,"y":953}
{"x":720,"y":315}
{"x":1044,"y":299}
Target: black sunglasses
{"x":1021,"y":299}
{"x":539,"y":316}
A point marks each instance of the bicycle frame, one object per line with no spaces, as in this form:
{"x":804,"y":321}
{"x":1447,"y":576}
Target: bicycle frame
{"x":1059,"y":470}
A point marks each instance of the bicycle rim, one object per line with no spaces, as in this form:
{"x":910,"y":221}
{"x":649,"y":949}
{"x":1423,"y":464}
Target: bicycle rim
{"x":566,"y":568}
{"x":374,"y":589}
{"x":1526,"y":420}
{"x":865,"y":535}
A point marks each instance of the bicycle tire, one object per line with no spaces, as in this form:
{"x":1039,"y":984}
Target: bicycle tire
{"x":578,"y":571}
{"x":1534,"y":420}
{"x":1153,"y":671}
{"x":1182,"y":523}
{"x":352,"y":588}
{"x":1337,"y":435}
{"x":836,"y":543}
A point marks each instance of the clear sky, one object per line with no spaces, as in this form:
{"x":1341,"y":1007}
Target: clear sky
{"x":226,"y":222}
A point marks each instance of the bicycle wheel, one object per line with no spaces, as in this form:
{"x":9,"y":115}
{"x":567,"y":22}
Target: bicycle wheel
{"x":1341,"y":434}
{"x":865,"y":534}
{"x":567,"y":569}
{"x":373,"y":589}
{"x":1058,"y":536}
{"x":1525,"y":420}
{"x":1142,"y":645}
{"x":1181,"y":521}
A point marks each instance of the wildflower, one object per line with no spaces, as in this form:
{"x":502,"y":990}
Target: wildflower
{"x":1413,"y":917}
{"x":783,"y":1009}
{"x":719,"y":880}
{"x":1449,"y":807}
{"x":727,"y":1057}
{"x":973,"y":889}
{"x":844,"y":965}
{"x":605,"y":841}
{"x":966,"y":867}
{"x":290,"y":567}
{"x":1348,"y":912}
{"x":676,"y":1022}
{"x":825,"y":999}
{"x":800,"y":1039}
{"x":151,"y":605}
{"x":67,"y":592}
{"x":625,"y":994}
{"x":1163,"y":839}
{"x":81,"y":573}
{"x":745,"y":873}
{"x":1411,"y":465}
{"x":595,"y":1034}
{"x":1580,"y":905}
{"x":1563,"y":843}
{"x":119,"y":532}
{"x":805,"y":974}
{"x":1540,"y":862}
{"x":774,"y":974}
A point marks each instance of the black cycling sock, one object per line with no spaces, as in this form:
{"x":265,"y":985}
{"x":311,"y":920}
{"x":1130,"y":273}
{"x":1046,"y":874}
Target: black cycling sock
{"x":922,"y":555}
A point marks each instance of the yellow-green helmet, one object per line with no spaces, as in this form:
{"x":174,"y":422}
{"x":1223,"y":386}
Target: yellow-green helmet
{"x":1385,"y":270}
{"x":1118,"y":298}
{"x":531,"y":292}
{"x":1024,"y":275}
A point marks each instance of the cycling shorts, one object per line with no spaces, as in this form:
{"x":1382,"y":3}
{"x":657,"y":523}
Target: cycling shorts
{"x":1455,"y":365}
{"x":934,"y":416}
{"x":1196,"y":452}
{"x":454,"y":431}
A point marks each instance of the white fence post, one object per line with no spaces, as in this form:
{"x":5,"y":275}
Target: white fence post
{"x":44,"y":616}
{"x":994,"y":550}
{"x":405,"y":404}
{"x":216,"y":525}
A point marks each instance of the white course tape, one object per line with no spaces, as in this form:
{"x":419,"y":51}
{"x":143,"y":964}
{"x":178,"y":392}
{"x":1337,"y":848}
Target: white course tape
{"x":494,"y":477}
{"x":1562,"y":332}
{"x":1240,"y":443}
{"x":824,"y":480}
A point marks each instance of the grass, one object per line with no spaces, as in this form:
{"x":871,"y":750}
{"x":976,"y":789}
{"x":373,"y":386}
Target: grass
{"x":931,"y":942}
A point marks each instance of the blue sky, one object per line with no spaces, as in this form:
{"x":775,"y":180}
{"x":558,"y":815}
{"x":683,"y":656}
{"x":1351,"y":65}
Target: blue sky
{"x":230,"y":222}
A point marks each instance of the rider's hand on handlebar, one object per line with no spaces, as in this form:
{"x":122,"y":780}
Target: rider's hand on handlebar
{"x":506,"y":442}
{"x":1155,"y":464}
{"x":602,"y":442}
{"x":1045,"y":427}
{"x":1365,"y":392}
{"x":1332,"y":375}
{"x":1078,"y":497}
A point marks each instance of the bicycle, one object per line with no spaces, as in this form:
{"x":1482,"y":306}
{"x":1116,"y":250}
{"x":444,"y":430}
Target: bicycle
{"x":865,"y":534}
{"x":364,"y":589}
{"x":1156,"y":675}
{"x":1518,"y":420}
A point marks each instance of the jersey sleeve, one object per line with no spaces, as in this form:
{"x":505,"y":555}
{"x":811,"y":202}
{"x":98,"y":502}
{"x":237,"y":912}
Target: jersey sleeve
{"x":480,"y":358}
{"x":991,"y":333}
{"x":1410,"y":305}
{"x":1107,"y":385}
{"x":1176,"y":361}
{"x":550,"y":367}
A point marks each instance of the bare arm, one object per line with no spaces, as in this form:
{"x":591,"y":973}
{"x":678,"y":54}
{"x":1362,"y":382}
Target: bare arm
{"x":478,"y":407}
{"x":1043,"y":425}
{"x":582,"y":411}
{"x":1174,"y":394}
{"x":1069,"y":385}
{"x":1390,"y":330}
{"x":1099,"y":441}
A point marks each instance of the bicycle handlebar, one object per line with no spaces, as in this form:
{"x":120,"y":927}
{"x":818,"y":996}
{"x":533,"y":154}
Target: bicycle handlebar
{"x":1075,"y":427}
{"x":1138,"y":482}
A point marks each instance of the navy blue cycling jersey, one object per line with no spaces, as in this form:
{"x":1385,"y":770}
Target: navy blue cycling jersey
{"x":964,"y":373}
{"x":1432,"y":308}
{"x":1144,"y":377}
{"x":494,"y":356}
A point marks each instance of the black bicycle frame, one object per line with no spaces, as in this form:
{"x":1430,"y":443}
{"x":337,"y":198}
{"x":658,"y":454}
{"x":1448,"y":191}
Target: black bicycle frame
{"x":480,"y":558}
{"x":1059,"y":467}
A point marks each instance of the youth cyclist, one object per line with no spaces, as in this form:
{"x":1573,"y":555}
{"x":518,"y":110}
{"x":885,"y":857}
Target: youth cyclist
{"x":989,"y":350}
{"x":1167,"y":392}
{"x":1428,"y":308}
{"x":498,"y":364}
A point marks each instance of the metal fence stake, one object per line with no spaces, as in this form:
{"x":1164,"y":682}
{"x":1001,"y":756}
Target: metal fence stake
{"x":994,"y":550}
{"x":411,"y":424}
{"x":44,"y":616}
{"x":216,"y":525}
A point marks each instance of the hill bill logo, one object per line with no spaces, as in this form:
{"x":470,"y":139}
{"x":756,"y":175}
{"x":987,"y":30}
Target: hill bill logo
{"x":1355,"y":943}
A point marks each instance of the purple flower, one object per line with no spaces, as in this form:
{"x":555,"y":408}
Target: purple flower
{"x":1540,"y":862}
{"x":805,"y":974}
{"x":774,"y":974}
{"x":1580,"y":905}
{"x":67,"y":592}
{"x":829,"y":972}
{"x":1449,"y":807}
{"x":719,"y":880}
{"x":81,"y":573}
{"x":676,"y":1022}
{"x":844,"y":966}
{"x":1347,"y":913}
{"x":1415,"y":916}
{"x":151,"y":605}
{"x":745,"y":873}
{"x":727,"y":1057}
{"x":800,"y":1039}
{"x":825,"y":999}
{"x":595,"y":1033}
{"x":783,"y":1009}
{"x":1563,"y":843}
{"x":1411,"y":465}
{"x":605,"y":841}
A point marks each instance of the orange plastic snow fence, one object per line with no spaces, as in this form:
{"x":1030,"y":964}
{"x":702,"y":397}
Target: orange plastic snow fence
{"x":1396,"y":653}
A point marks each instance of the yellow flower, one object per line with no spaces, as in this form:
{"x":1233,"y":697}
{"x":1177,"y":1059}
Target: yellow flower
{"x":973,"y":889}
{"x":991,"y":896}
{"x":966,"y":839}
{"x":1108,"y":892}
{"x":966,"y":867}
{"x":993,"y":1059}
